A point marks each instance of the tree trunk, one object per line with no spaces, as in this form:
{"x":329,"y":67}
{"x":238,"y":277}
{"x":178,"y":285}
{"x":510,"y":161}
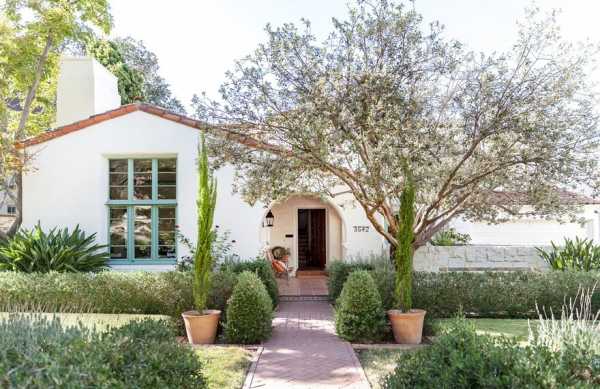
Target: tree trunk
{"x":31,"y":93}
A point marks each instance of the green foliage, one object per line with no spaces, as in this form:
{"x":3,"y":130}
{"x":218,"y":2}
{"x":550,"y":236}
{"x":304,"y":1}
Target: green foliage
{"x":404,"y":251}
{"x":250,"y":312}
{"x":574,"y":255}
{"x":156,"y":90}
{"x":489,"y":294}
{"x":32,"y":37}
{"x":450,"y":237}
{"x":460,"y":358}
{"x":339,"y":272}
{"x":57,"y":250}
{"x":222,"y":284}
{"x":262,"y":268}
{"x":141,"y":354}
{"x":206,"y":203}
{"x":165,"y":293}
{"x":130,"y":81}
{"x":464,"y":131}
{"x":359,"y":315}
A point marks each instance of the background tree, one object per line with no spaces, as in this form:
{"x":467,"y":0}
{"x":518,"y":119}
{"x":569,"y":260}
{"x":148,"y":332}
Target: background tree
{"x":32,"y":36}
{"x":130,"y":80}
{"x":137,"y":69}
{"x":381,"y":90}
{"x":156,"y":89}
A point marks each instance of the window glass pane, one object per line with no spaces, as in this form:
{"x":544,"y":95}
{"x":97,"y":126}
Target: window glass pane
{"x":167,"y":165}
{"x":142,"y":166}
{"x":166,"y":232}
{"x":118,"y":165}
{"x":167,"y":179}
{"x":142,"y":179}
{"x":166,"y":212}
{"x":118,"y":193}
{"x":167,"y":192}
{"x":117,"y":179}
{"x":118,"y":233}
{"x":143,"y":232}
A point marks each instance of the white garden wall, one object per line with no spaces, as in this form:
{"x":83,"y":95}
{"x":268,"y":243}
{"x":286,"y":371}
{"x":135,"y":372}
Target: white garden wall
{"x":478,"y":258}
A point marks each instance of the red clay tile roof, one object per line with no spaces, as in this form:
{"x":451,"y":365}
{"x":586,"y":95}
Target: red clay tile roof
{"x":102,"y":117}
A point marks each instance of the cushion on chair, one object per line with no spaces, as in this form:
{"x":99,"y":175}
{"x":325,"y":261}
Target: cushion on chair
{"x":278,"y":266}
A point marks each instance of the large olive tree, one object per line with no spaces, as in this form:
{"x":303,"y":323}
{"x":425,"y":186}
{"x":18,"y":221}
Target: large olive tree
{"x":383,"y":91}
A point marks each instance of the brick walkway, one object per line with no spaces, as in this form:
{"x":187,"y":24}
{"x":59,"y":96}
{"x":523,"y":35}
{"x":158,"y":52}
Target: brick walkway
{"x":303,"y":286}
{"x":304,"y":351}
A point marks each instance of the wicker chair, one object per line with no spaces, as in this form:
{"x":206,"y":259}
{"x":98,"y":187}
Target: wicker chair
{"x":280,"y":266}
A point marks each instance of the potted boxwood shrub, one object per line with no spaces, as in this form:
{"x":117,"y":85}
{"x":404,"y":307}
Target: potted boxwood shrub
{"x":201,"y":323}
{"x":407,"y":323}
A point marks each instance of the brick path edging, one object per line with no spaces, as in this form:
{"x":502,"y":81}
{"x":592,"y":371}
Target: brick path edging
{"x":252,"y":368}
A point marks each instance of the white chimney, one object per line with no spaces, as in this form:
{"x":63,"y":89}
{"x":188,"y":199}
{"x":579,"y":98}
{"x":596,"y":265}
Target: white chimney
{"x":85,"y":88}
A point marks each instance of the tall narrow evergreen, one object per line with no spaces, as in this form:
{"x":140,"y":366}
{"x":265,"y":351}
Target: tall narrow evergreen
{"x":206,"y":202}
{"x":404,"y":251}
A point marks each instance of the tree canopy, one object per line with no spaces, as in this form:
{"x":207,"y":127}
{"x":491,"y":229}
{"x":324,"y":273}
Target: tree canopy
{"x":384,"y":91}
{"x":137,"y":70}
{"x":32,"y":36}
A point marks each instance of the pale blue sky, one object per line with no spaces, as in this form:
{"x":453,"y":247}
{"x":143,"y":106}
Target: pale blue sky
{"x":198,"y":40}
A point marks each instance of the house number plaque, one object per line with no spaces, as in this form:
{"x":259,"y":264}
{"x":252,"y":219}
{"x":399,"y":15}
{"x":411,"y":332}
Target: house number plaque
{"x":361,"y":228}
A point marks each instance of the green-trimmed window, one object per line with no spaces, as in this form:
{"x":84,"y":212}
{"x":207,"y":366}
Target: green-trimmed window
{"x":142,"y":209}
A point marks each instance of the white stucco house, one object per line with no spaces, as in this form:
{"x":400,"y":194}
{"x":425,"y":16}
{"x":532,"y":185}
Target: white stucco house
{"x":128,"y":174}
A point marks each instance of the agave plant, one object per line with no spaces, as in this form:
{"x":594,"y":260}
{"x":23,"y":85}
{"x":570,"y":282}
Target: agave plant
{"x":574,"y":255}
{"x":57,"y":250}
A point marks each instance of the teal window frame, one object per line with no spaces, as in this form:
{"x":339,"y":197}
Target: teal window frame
{"x":155,"y":203}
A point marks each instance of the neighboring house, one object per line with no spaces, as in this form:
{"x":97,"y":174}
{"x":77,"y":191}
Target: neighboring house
{"x":7,"y":211}
{"x":128,"y":174}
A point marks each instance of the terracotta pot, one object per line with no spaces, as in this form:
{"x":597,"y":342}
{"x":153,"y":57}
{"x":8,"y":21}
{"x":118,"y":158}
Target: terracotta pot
{"x":407,"y":326}
{"x":201,"y":328}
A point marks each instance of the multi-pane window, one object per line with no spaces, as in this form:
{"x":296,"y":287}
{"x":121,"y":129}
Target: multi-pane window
{"x":142,"y":208}
{"x":11,"y":210}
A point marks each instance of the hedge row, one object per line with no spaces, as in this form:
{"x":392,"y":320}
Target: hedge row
{"x":489,"y":294}
{"x":165,"y":293}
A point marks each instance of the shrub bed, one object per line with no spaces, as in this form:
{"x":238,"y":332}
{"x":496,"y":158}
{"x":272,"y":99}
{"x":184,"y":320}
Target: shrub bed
{"x":168,"y":293}
{"x":489,"y":294}
{"x":140,"y":354}
{"x":359,"y":315}
{"x":462,"y":359}
{"x":165,"y":293}
{"x":262,"y":269}
{"x":249,"y":312}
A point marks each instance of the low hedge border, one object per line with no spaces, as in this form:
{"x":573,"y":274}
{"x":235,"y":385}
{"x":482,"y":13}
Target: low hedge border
{"x":487,"y":294}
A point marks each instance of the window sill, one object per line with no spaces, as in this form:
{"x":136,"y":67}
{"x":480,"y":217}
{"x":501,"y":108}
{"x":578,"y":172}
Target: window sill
{"x":142,"y":262}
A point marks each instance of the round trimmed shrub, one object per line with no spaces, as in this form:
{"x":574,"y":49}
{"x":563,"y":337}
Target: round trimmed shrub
{"x":249,"y":312}
{"x":359,"y":315}
{"x":263,"y":270}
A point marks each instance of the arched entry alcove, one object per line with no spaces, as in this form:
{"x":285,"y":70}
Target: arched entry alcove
{"x":312,"y":228}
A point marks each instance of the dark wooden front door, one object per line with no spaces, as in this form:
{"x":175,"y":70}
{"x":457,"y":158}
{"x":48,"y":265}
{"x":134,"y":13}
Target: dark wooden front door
{"x":312,"y":252}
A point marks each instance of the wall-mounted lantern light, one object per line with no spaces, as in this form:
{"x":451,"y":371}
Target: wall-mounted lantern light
{"x":269,"y":219}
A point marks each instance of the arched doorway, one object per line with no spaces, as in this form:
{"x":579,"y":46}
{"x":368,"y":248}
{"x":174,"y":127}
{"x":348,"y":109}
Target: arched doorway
{"x":311,"y":228}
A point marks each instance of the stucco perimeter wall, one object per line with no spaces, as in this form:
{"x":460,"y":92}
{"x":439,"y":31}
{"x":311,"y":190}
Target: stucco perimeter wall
{"x":478,"y":258}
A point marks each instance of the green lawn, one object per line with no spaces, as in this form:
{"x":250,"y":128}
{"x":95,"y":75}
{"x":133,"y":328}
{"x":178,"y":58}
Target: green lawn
{"x":224,"y":367}
{"x":518,"y":328}
{"x":377,"y":363}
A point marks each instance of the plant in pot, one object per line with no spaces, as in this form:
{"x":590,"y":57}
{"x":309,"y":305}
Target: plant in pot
{"x":201,"y":323}
{"x":407,"y":323}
